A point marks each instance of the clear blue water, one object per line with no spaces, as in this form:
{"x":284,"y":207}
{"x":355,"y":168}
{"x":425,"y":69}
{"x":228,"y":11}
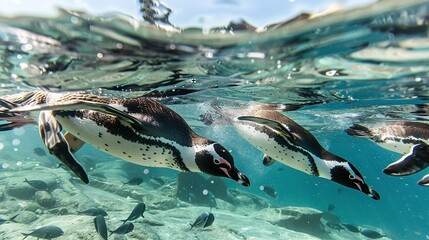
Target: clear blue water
{"x":353,"y":65}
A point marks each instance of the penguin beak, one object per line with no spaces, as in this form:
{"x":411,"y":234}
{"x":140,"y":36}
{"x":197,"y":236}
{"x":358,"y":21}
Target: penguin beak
{"x":367,"y":190}
{"x":233,"y":173}
{"x":239,"y":177}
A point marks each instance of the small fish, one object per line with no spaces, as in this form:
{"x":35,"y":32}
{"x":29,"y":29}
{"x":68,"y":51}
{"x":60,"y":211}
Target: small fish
{"x":37,"y":184}
{"x":351,"y":227}
{"x":372,"y":234}
{"x":336,"y":226}
{"x":206,"y":219}
{"x":137,"y":212}
{"x":331,"y":207}
{"x":269,"y":190}
{"x":46,"y":232}
{"x":100,"y":226}
{"x":95,"y":212}
{"x":124,"y":228}
{"x":39,"y":152}
{"x":135,"y":181}
{"x":12,"y":219}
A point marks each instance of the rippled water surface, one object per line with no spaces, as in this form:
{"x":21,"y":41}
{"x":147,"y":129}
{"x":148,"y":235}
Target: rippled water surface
{"x":365,"y":64}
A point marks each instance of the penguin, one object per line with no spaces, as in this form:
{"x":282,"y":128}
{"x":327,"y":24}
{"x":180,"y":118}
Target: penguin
{"x":283,"y":140}
{"x":139,"y":130}
{"x":408,"y":138}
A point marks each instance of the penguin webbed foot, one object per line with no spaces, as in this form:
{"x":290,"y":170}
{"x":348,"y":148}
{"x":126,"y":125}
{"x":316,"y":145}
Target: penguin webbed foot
{"x":267,"y":160}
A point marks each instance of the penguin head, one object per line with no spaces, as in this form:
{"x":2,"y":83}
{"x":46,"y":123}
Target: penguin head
{"x":346,"y":174}
{"x":215,"y":160}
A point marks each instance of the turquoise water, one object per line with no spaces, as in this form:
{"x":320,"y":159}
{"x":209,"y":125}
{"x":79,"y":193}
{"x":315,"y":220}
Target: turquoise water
{"x":355,"y":65}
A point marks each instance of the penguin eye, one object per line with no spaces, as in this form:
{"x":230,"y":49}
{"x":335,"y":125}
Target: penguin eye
{"x":216,"y":161}
{"x":352,"y":177}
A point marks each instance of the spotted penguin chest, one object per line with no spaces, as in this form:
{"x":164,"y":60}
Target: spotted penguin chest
{"x":138,"y":149}
{"x":278,"y":148}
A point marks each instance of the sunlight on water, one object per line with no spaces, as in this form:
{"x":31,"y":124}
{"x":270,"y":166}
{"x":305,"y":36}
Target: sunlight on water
{"x":338,"y":69}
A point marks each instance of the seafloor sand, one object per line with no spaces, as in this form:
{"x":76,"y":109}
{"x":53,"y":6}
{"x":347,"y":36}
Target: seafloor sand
{"x":166,"y":217}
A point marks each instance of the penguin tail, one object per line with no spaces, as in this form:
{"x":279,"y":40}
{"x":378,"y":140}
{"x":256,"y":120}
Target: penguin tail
{"x":15,"y":120}
{"x":359,"y":131}
{"x":191,"y":226}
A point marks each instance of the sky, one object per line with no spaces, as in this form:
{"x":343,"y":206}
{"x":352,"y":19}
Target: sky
{"x":186,"y":13}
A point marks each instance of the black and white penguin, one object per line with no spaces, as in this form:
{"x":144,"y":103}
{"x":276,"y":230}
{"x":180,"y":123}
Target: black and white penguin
{"x":282,"y":139}
{"x":139,"y":130}
{"x":408,"y":138}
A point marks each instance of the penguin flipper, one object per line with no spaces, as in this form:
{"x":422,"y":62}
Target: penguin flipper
{"x":78,"y":105}
{"x":268,"y":161}
{"x":270,"y":123}
{"x":50,"y":131}
{"x":414,"y":161}
{"x":424,"y":181}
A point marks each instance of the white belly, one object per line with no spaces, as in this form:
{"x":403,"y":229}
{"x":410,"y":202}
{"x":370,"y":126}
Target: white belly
{"x":399,"y":147}
{"x":264,"y":143}
{"x":136,"y":152}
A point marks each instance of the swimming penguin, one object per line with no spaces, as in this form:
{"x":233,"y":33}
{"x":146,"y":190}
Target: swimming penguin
{"x":140,"y":130}
{"x":409,"y":138}
{"x":284,"y":140}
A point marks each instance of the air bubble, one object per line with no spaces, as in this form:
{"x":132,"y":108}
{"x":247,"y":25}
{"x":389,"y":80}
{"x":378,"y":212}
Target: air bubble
{"x":205,"y":192}
{"x":261,"y":188}
{"x":27,"y":47}
{"x":146,"y":171}
{"x":5,"y":165}
{"x":1,"y":146}
{"x":19,"y":163}
{"x":16,"y":142}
